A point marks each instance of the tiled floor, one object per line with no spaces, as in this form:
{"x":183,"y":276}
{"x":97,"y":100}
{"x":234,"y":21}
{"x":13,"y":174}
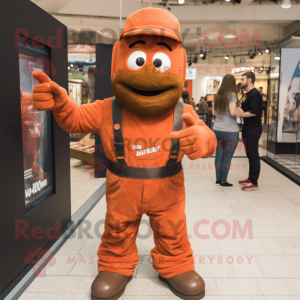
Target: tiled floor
{"x":83,"y":183}
{"x":265,"y":267}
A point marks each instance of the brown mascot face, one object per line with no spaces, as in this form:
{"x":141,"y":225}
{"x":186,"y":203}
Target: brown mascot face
{"x":148,"y":73}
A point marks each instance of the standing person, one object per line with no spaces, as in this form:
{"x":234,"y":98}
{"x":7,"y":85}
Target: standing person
{"x":203,"y":107}
{"x":209,"y":103}
{"x":186,"y":97}
{"x":251,"y":111}
{"x":225,"y":128}
{"x":265,"y":98}
{"x":192,"y":102}
{"x":265,"y":104}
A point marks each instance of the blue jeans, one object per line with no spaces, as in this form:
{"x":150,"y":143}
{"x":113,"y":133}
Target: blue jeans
{"x":227,"y":143}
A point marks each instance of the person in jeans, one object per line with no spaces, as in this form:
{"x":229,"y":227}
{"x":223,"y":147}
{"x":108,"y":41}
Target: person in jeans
{"x":225,"y":127}
{"x":251,"y":111}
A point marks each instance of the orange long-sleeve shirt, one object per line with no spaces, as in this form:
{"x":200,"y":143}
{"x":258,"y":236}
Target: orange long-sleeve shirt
{"x":146,"y":139}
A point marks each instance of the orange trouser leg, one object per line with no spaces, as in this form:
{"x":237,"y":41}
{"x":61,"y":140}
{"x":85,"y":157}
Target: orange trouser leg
{"x":172,"y":254}
{"x":117,"y":251}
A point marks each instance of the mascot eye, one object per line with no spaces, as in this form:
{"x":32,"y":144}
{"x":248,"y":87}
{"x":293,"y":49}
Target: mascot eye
{"x":162,"y":62}
{"x":136,"y":60}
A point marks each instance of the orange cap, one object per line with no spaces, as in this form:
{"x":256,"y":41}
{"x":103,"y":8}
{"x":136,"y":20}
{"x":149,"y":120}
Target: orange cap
{"x":152,"y":21}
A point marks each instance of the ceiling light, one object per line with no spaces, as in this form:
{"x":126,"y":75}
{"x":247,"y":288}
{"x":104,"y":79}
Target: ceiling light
{"x":230,"y":34}
{"x":202,"y":55}
{"x":262,"y":68}
{"x":267,"y":50}
{"x":180,"y":1}
{"x":286,"y":4}
{"x":277,"y":57}
{"x":259,"y":53}
{"x":227,"y":0}
{"x":226,"y":57}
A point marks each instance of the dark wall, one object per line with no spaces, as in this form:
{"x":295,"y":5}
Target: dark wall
{"x":103,"y":90}
{"x":15,"y":14}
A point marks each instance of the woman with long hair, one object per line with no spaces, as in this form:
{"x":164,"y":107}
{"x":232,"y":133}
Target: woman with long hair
{"x":225,"y":128}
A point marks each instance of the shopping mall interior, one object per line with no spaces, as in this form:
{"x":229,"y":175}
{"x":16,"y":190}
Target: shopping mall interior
{"x":246,"y":244}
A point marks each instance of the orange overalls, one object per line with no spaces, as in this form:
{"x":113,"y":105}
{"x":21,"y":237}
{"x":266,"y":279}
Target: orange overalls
{"x":163,"y":200}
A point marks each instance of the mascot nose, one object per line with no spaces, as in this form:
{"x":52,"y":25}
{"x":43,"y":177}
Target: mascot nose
{"x":148,"y":69}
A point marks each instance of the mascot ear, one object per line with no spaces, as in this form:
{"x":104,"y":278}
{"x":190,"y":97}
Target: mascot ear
{"x":114,"y":58}
{"x":184,"y":63}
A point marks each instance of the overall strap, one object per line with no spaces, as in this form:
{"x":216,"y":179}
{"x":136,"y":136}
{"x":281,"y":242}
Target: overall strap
{"x":118,"y":133}
{"x":177,"y":125}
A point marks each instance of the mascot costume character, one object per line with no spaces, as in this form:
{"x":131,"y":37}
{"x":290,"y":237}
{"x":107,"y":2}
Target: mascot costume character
{"x":145,"y":131}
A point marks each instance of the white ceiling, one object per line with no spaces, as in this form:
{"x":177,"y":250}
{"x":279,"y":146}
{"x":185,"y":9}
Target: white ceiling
{"x":271,"y":20}
{"x":246,"y":11}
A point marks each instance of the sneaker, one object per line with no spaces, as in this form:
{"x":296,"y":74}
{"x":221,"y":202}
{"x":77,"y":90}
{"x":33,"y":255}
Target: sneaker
{"x":244,"y":181}
{"x":218,"y":182}
{"x":226,"y":184}
{"x":249,"y":187}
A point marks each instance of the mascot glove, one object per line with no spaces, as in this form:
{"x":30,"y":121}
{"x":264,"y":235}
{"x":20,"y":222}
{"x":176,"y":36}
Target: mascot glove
{"x":196,"y":140}
{"x":47,"y":95}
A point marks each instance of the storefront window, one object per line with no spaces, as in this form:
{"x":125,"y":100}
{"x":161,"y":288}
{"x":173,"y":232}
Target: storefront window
{"x":36,"y":126}
{"x":273,"y":96}
{"x":284,"y":108}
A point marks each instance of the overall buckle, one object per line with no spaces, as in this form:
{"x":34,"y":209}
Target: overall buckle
{"x":171,"y":164}
{"x":121,"y":162}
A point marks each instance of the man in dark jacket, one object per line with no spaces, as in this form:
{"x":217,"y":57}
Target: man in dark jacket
{"x":251,"y":111}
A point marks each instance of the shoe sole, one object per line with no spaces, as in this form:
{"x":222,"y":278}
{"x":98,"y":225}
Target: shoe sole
{"x":184,"y":297}
{"x":250,"y":190}
{"x":217,"y":184}
{"x":225,"y":186}
{"x":115,"y":297}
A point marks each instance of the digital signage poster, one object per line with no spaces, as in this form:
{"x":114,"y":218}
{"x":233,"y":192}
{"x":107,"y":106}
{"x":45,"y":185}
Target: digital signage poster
{"x":36,"y":127}
{"x":289,"y":96}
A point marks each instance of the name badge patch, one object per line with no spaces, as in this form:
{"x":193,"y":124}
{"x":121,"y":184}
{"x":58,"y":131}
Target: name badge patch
{"x":147,"y":151}
{"x":136,"y":146}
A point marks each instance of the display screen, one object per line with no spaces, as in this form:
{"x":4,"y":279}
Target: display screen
{"x":289,"y":111}
{"x":36,"y":126}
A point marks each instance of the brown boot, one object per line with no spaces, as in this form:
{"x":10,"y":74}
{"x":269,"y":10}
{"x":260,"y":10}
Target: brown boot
{"x":187,"y":286}
{"x":109,"y":285}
